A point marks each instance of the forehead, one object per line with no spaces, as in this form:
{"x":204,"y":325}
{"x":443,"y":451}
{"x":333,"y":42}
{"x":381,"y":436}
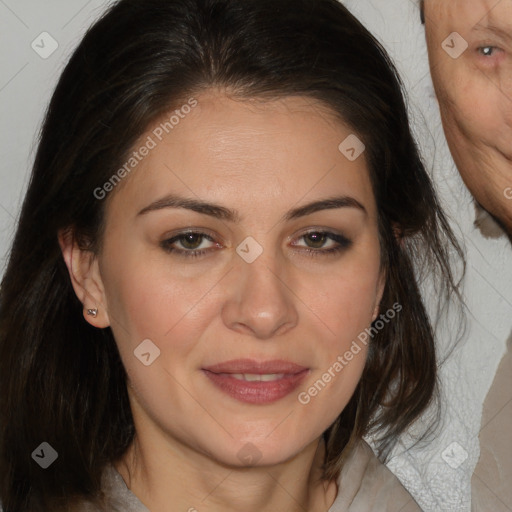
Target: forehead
{"x":468,"y":14}
{"x":233,"y":151}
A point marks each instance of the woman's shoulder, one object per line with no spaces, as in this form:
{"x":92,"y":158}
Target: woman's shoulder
{"x":366,"y":484}
{"x":119,"y":498}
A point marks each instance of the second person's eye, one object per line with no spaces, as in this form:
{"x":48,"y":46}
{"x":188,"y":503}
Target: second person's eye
{"x":488,"y":51}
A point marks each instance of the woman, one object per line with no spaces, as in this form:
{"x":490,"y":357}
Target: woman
{"x":212,"y":296}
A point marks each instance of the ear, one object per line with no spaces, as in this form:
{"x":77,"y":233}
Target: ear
{"x":380,"y":292}
{"x":83,"y":268}
{"x":398,"y":233}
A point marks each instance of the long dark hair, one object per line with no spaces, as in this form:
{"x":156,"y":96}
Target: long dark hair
{"x":61,"y":380}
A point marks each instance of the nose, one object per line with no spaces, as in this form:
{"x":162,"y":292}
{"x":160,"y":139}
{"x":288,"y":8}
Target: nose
{"x":259,"y":302}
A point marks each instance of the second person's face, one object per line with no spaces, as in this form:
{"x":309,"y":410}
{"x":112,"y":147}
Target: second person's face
{"x":470,"y":52}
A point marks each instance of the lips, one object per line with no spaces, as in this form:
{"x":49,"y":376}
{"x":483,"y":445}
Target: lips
{"x":256,"y":382}
{"x":255,"y":367}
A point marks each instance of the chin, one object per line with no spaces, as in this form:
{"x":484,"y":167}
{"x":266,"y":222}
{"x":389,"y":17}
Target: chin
{"x":261,"y":452}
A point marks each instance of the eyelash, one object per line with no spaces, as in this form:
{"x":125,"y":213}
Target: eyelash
{"x":343,"y":243}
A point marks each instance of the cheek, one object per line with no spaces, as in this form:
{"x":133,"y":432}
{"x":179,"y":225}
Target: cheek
{"x":350,"y":295}
{"x":343,"y":304}
{"x":330,"y":388}
{"x":148,"y":292}
{"x":347,"y":309}
{"x":481,"y":111}
{"x":148,"y":299}
{"x":473,"y":109}
{"x":157,"y":312}
{"x":349,"y":306}
{"x":478,"y":130}
{"x":346,"y":305}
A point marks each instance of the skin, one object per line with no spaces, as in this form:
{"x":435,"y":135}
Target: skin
{"x":261,"y":159}
{"x":475,"y":95}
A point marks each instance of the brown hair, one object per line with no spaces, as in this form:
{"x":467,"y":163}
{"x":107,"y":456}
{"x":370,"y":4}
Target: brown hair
{"x":61,"y":380}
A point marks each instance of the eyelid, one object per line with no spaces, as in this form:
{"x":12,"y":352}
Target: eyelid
{"x":317,"y":229}
{"x":495,"y":45}
{"x":312,"y":229}
{"x":205,"y":232}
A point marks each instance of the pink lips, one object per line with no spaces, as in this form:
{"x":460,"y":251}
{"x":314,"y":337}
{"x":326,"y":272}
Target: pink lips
{"x":256,"y":382}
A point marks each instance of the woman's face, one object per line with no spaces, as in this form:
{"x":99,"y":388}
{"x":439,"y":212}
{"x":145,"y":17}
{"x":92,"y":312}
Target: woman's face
{"x":256,"y":306}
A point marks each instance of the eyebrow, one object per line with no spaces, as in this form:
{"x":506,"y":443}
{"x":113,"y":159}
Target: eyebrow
{"x":227,"y":214}
{"x":494,"y":30}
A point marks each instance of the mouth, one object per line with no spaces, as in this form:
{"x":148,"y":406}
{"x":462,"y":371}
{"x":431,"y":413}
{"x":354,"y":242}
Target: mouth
{"x":255,"y":382}
{"x":255,"y":377}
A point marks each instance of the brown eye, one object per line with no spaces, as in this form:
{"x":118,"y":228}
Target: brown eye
{"x":191,"y":240}
{"x":189,"y":244}
{"x":318,"y":243}
{"x":315,"y":240}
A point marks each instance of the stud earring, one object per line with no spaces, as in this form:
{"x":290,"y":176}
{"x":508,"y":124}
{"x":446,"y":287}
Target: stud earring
{"x":92,"y":312}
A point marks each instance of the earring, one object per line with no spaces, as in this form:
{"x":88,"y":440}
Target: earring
{"x":92,"y":312}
